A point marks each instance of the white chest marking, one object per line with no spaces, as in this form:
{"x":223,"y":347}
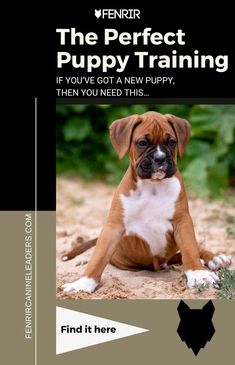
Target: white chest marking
{"x":149,"y":209}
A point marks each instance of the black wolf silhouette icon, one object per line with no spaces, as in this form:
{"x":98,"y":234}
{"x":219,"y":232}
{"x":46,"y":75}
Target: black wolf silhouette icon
{"x":196,"y":327}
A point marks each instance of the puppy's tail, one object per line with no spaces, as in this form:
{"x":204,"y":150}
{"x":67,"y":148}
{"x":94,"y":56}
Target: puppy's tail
{"x":78,"y":247}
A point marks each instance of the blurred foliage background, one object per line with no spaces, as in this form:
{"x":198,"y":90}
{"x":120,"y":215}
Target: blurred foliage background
{"x":208,"y":166}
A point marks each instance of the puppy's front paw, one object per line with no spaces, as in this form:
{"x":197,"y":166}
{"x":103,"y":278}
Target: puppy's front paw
{"x":219,"y":262}
{"x":200,"y":277}
{"x":86,"y":284}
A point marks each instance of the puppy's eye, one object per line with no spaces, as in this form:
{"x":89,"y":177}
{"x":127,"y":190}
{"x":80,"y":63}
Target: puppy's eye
{"x":172,"y":143}
{"x":142,"y":143}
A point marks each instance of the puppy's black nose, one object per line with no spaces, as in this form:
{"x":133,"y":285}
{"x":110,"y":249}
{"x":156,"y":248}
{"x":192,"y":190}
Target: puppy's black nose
{"x":159,"y":158}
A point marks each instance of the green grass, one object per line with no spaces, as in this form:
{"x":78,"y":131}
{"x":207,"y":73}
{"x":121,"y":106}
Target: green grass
{"x":226,"y":285}
{"x":201,"y":287}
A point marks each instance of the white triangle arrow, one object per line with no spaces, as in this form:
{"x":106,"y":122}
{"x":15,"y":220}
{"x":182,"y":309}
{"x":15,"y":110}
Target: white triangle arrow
{"x":75,"y":330}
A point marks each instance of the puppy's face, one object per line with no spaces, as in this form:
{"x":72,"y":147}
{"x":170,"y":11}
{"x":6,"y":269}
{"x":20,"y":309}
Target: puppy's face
{"x":153,"y":150}
{"x":153,"y":141}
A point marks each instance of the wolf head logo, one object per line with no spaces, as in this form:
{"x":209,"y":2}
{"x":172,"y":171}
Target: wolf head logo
{"x":196,"y":327}
{"x":98,"y":13}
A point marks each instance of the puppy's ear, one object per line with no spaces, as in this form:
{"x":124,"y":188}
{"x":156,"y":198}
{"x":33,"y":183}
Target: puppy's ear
{"x":121,"y":131}
{"x":182,"y":130}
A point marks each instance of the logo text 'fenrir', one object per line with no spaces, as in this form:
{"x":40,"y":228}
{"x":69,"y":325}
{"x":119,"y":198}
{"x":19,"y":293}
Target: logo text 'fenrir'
{"x":117,"y":14}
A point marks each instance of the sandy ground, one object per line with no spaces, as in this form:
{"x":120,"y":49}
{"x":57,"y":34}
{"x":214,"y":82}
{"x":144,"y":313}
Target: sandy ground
{"x":82,"y":210}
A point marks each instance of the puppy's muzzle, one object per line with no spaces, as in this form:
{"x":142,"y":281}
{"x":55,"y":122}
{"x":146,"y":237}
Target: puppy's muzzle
{"x":155,"y":165}
{"x":152,"y":165}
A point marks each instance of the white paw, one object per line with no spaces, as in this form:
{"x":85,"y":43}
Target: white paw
{"x":200,"y":277}
{"x":218,"y":262}
{"x":86,"y":284}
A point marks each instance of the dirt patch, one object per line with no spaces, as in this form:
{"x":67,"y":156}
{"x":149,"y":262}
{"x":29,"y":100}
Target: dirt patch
{"x":82,"y":210}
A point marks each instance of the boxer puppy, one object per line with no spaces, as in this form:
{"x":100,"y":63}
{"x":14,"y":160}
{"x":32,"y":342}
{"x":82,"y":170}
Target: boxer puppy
{"x":149,"y":220}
